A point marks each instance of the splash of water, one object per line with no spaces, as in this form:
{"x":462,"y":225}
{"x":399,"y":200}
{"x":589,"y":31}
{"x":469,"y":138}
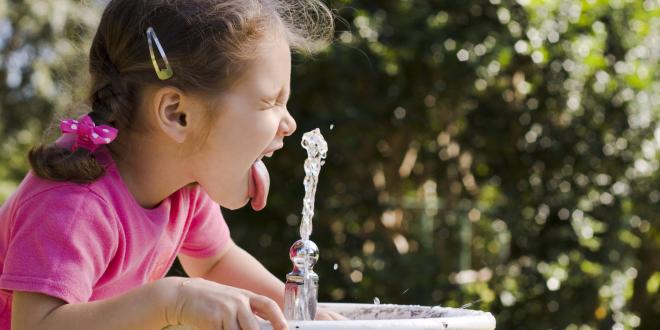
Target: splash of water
{"x":317,"y":150}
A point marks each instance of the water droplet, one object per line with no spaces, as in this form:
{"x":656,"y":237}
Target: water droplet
{"x":376,"y":301}
{"x":332,"y":126}
{"x":404,"y":291}
{"x":335,"y":266}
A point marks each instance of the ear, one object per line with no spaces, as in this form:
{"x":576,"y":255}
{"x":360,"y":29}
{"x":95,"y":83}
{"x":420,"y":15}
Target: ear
{"x":170,"y":115}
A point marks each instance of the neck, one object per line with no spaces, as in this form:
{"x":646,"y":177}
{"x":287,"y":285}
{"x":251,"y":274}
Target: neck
{"x":151,"y":173}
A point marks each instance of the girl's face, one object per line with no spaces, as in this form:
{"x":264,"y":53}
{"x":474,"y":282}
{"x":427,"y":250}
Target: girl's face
{"x":250,"y":121}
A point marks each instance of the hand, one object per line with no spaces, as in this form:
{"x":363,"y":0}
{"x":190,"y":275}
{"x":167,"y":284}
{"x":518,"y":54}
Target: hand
{"x":328,"y":315}
{"x":209,"y":305}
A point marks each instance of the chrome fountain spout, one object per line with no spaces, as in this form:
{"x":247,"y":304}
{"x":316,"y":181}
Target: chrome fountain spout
{"x":302,"y":283}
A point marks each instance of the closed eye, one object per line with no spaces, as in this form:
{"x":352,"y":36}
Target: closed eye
{"x":265,"y":105}
{"x":274,"y":104}
{"x":279,"y":101}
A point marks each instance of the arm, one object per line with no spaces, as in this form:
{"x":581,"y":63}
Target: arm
{"x":235,"y":267}
{"x":170,"y":301}
{"x":142,"y":308}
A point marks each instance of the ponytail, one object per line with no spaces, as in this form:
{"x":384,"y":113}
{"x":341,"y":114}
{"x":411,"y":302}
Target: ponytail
{"x":112,"y":98}
{"x":55,"y":163}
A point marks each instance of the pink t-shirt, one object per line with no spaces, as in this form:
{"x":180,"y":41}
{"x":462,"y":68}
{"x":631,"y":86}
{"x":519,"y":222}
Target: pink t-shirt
{"x":85,"y":242}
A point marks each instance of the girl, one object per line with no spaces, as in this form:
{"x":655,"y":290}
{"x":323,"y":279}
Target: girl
{"x":186,"y":98}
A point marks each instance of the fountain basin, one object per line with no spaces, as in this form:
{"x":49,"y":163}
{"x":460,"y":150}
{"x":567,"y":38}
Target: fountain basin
{"x":386,"y":317}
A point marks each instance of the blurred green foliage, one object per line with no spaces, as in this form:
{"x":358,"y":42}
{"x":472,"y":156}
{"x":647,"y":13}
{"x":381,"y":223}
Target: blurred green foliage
{"x":42,"y":66}
{"x":503,"y":152}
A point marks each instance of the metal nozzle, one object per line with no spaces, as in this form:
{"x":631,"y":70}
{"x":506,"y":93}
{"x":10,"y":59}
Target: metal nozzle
{"x":301,"y":288}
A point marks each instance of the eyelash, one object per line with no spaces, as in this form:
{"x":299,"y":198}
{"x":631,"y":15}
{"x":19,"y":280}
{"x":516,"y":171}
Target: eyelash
{"x":274,"y":104}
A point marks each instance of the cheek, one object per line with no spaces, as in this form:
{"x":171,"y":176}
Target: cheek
{"x":225,"y":160}
{"x":251,"y":135}
{"x":223,"y":177}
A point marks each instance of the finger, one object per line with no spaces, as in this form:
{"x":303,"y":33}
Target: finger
{"x":328,"y":315}
{"x":230,"y":323}
{"x":246,"y":319}
{"x":325,"y":314}
{"x":269,"y":310}
{"x":322,"y":316}
{"x":337,"y":316}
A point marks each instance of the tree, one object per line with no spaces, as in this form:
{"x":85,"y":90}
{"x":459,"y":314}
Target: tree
{"x":43,"y":48}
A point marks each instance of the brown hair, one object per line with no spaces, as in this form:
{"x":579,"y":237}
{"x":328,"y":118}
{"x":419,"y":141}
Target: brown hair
{"x":207,"y":43}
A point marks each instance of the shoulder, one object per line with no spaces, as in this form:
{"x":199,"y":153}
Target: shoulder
{"x":35,"y":189}
{"x":45,"y":201}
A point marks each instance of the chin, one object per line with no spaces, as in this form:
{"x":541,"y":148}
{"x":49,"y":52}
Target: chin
{"x":232,"y":204}
{"x":226,"y":199}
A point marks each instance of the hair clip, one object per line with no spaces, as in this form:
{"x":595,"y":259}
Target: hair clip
{"x":163,"y":74}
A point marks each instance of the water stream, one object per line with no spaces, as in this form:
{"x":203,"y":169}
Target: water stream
{"x":317,"y":150}
{"x":301,"y":289}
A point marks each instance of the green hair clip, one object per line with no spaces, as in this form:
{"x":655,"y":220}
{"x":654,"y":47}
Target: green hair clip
{"x":163,"y":74}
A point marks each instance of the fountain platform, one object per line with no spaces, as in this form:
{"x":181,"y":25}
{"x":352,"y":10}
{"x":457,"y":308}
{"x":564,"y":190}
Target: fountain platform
{"x":391,"y":317}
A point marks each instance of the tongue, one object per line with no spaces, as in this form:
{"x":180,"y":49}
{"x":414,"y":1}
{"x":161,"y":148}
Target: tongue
{"x":259,"y":186}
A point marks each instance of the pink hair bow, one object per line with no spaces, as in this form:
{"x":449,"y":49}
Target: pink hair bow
{"x":89,"y":136}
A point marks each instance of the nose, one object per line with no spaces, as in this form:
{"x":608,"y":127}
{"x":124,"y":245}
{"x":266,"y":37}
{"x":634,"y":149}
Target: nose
{"x":288,"y":124}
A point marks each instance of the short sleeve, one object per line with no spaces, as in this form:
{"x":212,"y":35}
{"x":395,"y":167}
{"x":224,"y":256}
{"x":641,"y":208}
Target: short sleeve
{"x":61,"y":242}
{"x":208,"y":233}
